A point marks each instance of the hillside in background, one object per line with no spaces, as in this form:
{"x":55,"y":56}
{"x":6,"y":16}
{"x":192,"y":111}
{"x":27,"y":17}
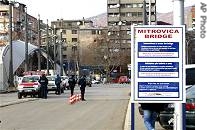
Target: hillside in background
{"x":101,"y":19}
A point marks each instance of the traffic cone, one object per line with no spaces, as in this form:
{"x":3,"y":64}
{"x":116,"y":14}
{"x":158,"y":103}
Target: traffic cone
{"x":77,"y":97}
{"x":71,"y":99}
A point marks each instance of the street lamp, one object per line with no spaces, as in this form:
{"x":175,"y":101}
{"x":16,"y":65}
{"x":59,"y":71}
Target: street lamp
{"x":54,"y":49}
{"x":74,"y":49}
{"x":39,"y":44}
{"x":26,"y":41}
{"x":78,"y":44}
{"x":11,"y":78}
{"x":47,"y":40}
{"x":61,"y":53}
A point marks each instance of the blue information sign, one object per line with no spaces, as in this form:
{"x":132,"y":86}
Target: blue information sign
{"x":157,"y":61}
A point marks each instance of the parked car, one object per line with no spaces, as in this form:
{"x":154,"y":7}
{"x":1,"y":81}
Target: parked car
{"x":167,"y":115}
{"x":51,"y":84}
{"x":95,"y":82}
{"x":65,"y":82}
{"x":88,"y":81}
{"x":29,"y":85}
{"x":123,"y":79}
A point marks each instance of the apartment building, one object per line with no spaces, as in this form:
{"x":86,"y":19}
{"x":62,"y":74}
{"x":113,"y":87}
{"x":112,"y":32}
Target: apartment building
{"x":18,"y":23}
{"x":190,"y":20}
{"x":78,"y":37}
{"x":121,"y":14}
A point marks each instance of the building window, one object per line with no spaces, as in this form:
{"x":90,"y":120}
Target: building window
{"x":64,"y":39}
{"x":64,"y":48}
{"x":129,"y":5}
{"x":64,"y":31}
{"x":74,"y":31}
{"x":112,"y":6}
{"x":74,"y":39}
{"x":64,"y":56}
{"x":128,"y":14}
{"x":94,"y":32}
{"x":134,"y":14}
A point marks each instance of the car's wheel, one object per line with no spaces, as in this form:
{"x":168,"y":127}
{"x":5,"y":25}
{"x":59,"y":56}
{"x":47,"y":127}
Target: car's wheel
{"x":19,"y":95}
{"x":164,"y":126}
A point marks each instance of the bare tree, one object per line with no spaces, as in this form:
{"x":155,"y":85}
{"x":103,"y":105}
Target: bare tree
{"x":106,"y":54}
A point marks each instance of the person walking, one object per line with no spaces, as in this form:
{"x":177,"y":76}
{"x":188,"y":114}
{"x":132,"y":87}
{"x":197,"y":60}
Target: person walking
{"x":150,"y":113}
{"x":58,"y":84}
{"x":82,"y":83}
{"x":72,"y":82}
{"x":43,"y":89}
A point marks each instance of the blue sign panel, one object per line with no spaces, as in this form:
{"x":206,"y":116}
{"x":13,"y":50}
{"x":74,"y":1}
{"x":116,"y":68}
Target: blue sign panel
{"x":158,"y":49}
{"x":158,"y":89}
{"x":158,"y":69}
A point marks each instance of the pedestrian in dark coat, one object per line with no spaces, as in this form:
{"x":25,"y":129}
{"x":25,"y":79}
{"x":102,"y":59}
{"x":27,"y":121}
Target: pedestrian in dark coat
{"x":72,"y":82}
{"x":82,"y":83}
{"x":150,"y":112}
{"x":58,"y":84}
{"x":44,"y":82}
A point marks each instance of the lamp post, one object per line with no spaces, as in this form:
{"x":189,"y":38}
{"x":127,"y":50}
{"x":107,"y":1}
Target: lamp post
{"x":47,"y":41}
{"x":61,"y":53}
{"x":54,"y":49}
{"x":39,"y":44}
{"x":78,"y":46}
{"x":26,"y":41}
{"x":11,"y":78}
{"x":74,"y":48}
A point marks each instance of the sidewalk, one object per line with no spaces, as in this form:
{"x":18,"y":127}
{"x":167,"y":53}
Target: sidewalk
{"x":11,"y":98}
{"x":138,"y":121}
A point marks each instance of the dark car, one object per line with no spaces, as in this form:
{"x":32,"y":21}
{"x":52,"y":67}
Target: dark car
{"x":165,"y":117}
{"x":88,"y":81}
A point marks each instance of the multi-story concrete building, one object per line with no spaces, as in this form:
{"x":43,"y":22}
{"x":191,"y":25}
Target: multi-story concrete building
{"x":78,"y":36}
{"x":121,"y":14}
{"x":18,"y":23}
{"x":190,"y":20}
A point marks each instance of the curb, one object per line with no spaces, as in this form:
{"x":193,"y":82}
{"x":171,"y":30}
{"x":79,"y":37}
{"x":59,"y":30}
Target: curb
{"x":17,"y":102}
{"x":127,"y":124}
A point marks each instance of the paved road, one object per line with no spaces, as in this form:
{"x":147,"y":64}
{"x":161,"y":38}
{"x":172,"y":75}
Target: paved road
{"x":105,"y":109}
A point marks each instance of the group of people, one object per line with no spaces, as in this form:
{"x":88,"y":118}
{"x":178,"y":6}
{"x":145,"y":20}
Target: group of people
{"x":82,"y":82}
{"x":72,"y":82}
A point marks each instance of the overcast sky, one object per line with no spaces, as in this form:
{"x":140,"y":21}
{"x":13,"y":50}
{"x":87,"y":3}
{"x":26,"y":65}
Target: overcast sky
{"x":76,"y":9}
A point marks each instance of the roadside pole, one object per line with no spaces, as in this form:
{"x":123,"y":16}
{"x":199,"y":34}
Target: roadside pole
{"x":179,"y":114}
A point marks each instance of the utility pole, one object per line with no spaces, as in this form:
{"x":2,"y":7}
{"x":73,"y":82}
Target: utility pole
{"x":47,"y":40}
{"x":179,"y":107}
{"x":11,"y":78}
{"x":26,"y":41}
{"x":149,"y":12}
{"x":54,"y":49}
{"x":144,"y":13}
{"x":61,"y":54}
{"x":39,"y":44}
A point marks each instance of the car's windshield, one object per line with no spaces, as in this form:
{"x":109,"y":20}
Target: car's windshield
{"x":190,"y":76}
{"x":51,"y":78}
{"x":30,"y":79}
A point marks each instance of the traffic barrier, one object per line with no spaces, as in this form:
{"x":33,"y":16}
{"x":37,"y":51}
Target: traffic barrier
{"x":78,"y":97}
{"x":74,"y":98}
